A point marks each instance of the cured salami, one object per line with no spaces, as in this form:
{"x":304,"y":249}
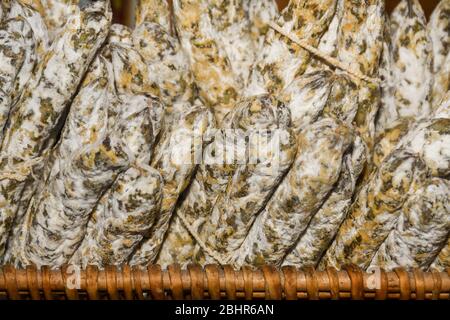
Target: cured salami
{"x":260,"y":12}
{"x":343,"y":101}
{"x":443,"y":259}
{"x":421,"y":229}
{"x":4,"y":7}
{"x":387,"y":113}
{"x":230,"y":21}
{"x":155,"y":11}
{"x":210,"y":65}
{"x":130,"y":69}
{"x":33,"y":120}
{"x":326,"y":222}
{"x":60,"y":211}
{"x":375,"y":211}
{"x":412,"y":65}
{"x":88,"y":117}
{"x":329,"y":41}
{"x":388,"y":140}
{"x":57,"y":13}
{"x":30,"y":11}
{"x":427,"y":136}
{"x":439,"y":30}
{"x":210,"y":181}
{"x":280,"y":60}
{"x":441,"y":83}
{"x":418,"y":155}
{"x":140,"y":111}
{"x":122,"y":218}
{"x":443,"y":111}
{"x":135,"y":197}
{"x":84,"y":164}
{"x":98,"y":109}
{"x":23,"y":43}
{"x":225,"y":168}
{"x":360,"y":47}
{"x":360,"y":34}
{"x":168,"y":66}
{"x":314,"y":173}
{"x":430,"y":143}
{"x":176,"y":162}
{"x":12,"y":56}
{"x":306,"y":97}
{"x":271,"y":150}
{"x":47,"y":91}
{"x":120,"y":36}
{"x":86,"y":123}
{"x":342,"y":104}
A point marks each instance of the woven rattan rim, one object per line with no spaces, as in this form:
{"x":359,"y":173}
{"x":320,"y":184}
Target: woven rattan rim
{"x":220,"y":282}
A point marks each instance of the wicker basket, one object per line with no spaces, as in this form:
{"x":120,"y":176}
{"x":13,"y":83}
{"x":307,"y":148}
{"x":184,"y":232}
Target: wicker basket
{"x":222,"y":282}
{"x":215,"y":282}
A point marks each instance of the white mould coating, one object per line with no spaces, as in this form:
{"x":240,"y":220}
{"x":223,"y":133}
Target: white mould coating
{"x":281,"y":61}
{"x":260,"y":13}
{"x":266,"y":121}
{"x":421,"y":229}
{"x":326,"y":222}
{"x":24,"y":42}
{"x":174,"y":157}
{"x":82,"y":166}
{"x":314,"y":173}
{"x":375,"y":210}
{"x":13,"y":48}
{"x":86,"y":123}
{"x":438,"y":29}
{"x":122,"y":218}
{"x":47,"y":95}
{"x":211,"y":67}
{"x":412,"y":61}
{"x":56,"y":14}
{"x":306,"y":97}
{"x":442,"y":261}
{"x":168,"y":66}
{"x":387,"y":115}
{"x":155,"y":11}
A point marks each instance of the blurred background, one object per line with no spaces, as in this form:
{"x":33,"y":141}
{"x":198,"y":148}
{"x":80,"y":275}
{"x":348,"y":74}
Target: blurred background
{"x":124,"y":9}
{"x":428,"y":5}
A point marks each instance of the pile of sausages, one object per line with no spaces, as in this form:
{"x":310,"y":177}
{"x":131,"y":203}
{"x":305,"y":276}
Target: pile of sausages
{"x":119,"y":145}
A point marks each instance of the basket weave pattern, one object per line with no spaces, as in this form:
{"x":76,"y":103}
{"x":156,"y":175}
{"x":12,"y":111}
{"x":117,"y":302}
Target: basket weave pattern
{"x":216,"y":282}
